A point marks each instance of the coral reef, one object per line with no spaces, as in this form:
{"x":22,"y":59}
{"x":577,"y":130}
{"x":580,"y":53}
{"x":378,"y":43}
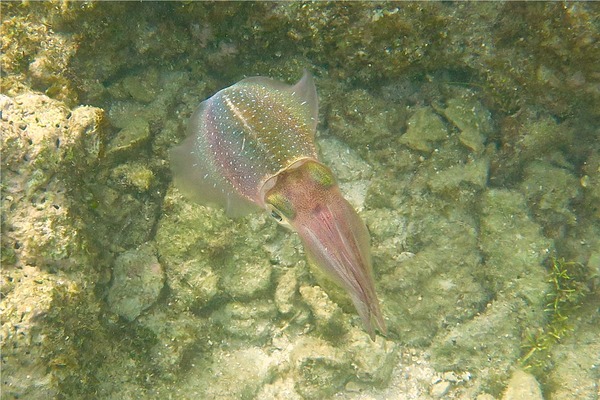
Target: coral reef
{"x":465,"y":134}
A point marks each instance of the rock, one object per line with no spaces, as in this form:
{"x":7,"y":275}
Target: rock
{"x":346,"y":164}
{"x":131,"y":136}
{"x":248,"y":320}
{"x":373,"y":361}
{"x":440,"y":389}
{"x":136,"y":175}
{"x":247,"y":279}
{"x":142,"y":87}
{"x":522,"y":386}
{"x":237,"y":374}
{"x":280,"y":389}
{"x":450,"y":179}
{"x":473,"y":120}
{"x":550,"y":191}
{"x":493,"y":335}
{"x":425,"y":128}
{"x":88,"y":124}
{"x":138,"y":279}
{"x":351,"y":171}
{"x":286,"y":291}
{"x":328,"y":316}
{"x":25,"y":372}
{"x":319,"y":369}
{"x":513,"y":243}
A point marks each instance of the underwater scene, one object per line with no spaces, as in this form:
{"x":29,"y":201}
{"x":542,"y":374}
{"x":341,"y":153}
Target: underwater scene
{"x":300,"y":200}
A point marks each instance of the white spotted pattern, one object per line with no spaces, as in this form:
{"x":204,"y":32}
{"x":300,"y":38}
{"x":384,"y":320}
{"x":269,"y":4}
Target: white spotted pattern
{"x":245,"y":134}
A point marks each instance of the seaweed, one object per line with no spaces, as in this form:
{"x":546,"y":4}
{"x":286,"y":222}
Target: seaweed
{"x":568,"y":292}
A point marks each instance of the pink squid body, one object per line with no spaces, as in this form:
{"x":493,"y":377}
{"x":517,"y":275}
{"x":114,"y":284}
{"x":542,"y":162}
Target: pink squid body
{"x":251,"y":146}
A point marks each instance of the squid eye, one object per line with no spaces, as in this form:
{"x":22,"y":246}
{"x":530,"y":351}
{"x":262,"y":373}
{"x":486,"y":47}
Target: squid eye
{"x":276,"y":215}
{"x":281,"y":207}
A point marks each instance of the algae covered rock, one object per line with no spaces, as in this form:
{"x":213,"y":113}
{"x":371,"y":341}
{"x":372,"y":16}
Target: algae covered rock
{"x":328,"y":316}
{"x":550,"y":192}
{"x":590,"y":183}
{"x":513,"y":244}
{"x":240,"y":374}
{"x":142,"y":87}
{"x":247,"y":279}
{"x":247,"y":321}
{"x":471,"y":118}
{"x":344,"y":161}
{"x":373,"y":362}
{"x":283,"y":389}
{"x":424,"y":129}
{"x":362,"y":119}
{"x":433,"y":282}
{"x":449,"y":180}
{"x":577,"y":358}
{"x":528,"y":136}
{"x":44,"y":147}
{"x":133,"y":134}
{"x":136,"y":175}
{"x":189,"y":240}
{"x":489,"y":341}
{"x":285,"y":292}
{"x":514,"y":250}
{"x":194,"y":283}
{"x":35,"y":55}
{"x":138,"y":279}
{"x":24,"y":369}
{"x":522,"y":386}
{"x":321,"y":369}
{"x":458,"y":266}
{"x":89,"y":124}
{"x":352,"y":172}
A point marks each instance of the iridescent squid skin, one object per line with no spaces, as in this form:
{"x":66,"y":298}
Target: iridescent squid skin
{"x":251,"y":146}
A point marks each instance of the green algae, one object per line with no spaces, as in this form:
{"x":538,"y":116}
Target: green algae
{"x":567,"y":293}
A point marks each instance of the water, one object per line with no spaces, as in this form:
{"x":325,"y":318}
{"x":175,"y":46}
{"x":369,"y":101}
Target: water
{"x":465,"y":135}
